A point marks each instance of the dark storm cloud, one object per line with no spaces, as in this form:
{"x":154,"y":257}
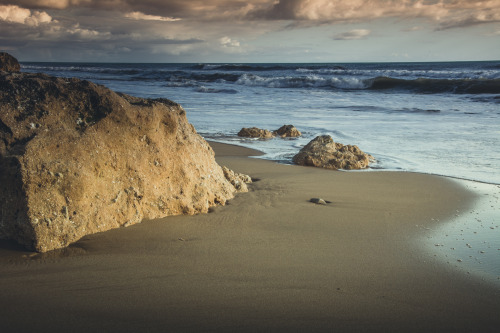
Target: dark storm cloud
{"x":202,"y":9}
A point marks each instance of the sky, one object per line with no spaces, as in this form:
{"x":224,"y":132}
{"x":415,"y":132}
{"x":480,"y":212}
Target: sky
{"x":207,"y":31}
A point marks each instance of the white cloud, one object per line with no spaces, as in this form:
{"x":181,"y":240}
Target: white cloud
{"x":16,"y":14}
{"x":146,"y":17}
{"x":415,"y":28}
{"x":353,"y":34}
{"x":87,"y":34}
{"x":228,"y":42}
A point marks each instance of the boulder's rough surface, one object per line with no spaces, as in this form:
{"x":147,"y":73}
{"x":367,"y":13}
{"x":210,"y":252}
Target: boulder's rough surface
{"x":238,"y":180}
{"x":288,"y":131}
{"x":77,"y":158}
{"x":323,"y":152}
{"x":254,"y":132}
{"x":8,"y":63}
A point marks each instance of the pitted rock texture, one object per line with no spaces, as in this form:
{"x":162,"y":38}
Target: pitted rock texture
{"x":323,"y":152}
{"x":254,"y":132}
{"x":8,"y":63}
{"x":288,"y":131}
{"x":77,"y":158}
{"x":238,"y":180}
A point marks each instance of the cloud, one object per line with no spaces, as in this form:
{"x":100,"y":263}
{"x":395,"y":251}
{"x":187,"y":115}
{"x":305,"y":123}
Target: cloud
{"x":146,"y":17}
{"x":16,"y":14}
{"x":447,"y":13}
{"x":470,"y":18}
{"x":199,"y":9}
{"x":228,"y":42}
{"x":82,"y":34}
{"x":414,"y":28}
{"x":353,"y":34}
{"x":202,"y":28}
{"x":52,"y":4}
{"x":340,"y":10}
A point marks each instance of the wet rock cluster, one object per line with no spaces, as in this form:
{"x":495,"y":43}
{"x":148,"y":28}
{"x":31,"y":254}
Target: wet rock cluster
{"x":285,"y":131}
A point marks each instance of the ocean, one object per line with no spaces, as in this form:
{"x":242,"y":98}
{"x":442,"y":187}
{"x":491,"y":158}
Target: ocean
{"x":435,"y":118}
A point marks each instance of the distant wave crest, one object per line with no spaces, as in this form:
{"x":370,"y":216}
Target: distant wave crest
{"x":308,"y":81}
{"x":414,"y":78}
{"x":204,"y":89}
{"x":239,"y":67}
{"x":431,"y":86}
{"x":421,"y":85}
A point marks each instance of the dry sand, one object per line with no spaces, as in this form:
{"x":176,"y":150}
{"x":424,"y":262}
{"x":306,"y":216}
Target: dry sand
{"x":271,"y":261}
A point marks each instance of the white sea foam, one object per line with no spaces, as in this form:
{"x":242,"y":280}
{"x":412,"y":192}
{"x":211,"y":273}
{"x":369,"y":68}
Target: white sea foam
{"x":470,"y":241}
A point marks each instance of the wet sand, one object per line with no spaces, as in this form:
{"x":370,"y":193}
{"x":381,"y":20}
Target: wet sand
{"x":269,"y":261}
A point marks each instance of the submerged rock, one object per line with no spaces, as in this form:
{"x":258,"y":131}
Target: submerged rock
{"x":77,"y":158}
{"x":8,"y":63}
{"x":254,"y":132}
{"x":288,"y":131}
{"x":323,"y":152}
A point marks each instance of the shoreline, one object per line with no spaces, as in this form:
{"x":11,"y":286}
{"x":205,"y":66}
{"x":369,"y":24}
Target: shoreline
{"x":270,"y":260}
{"x":469,"y":242}
{"x":446,"y":239}
{"x":253,"y":152}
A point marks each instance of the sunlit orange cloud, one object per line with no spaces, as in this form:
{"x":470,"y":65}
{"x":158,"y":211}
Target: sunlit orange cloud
{"x":146,"y":17}
{"x":356,"y":10}
{"x":15,"y":14}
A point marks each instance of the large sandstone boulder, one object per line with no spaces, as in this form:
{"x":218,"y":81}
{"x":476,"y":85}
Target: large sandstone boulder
{"x":8,"y":63}
{"x":254,"y":132}
{"x":77,"y":158}
{"x":288,"y":131}
{"x":323,"y":152}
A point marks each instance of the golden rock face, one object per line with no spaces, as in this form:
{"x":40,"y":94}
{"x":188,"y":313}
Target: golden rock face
{"x":254,"y":132}
{"x":77,"y":158}
{"x":323,"y":152}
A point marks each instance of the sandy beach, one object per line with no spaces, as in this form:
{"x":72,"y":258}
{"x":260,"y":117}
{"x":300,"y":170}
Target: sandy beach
{"x":270,"y":261}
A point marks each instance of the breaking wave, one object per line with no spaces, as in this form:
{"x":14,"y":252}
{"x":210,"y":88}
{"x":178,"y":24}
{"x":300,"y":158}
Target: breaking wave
{"x":433,"y":78}
{"x":420,"y":85}
{"x":308,"y":81}
{"x":204,"y":89}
